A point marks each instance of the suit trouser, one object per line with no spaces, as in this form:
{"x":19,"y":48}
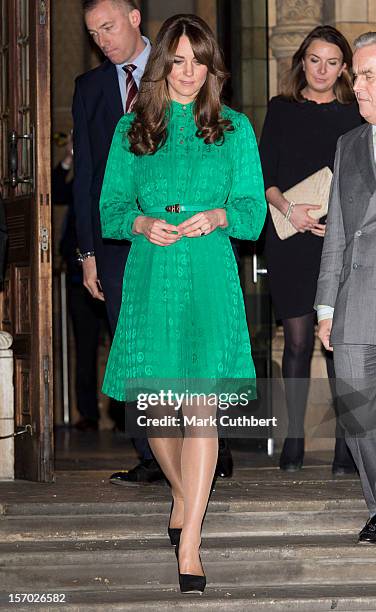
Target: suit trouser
{"x":355,"y":367}
{"x":87,"y":316}
{"x":111,"y":258}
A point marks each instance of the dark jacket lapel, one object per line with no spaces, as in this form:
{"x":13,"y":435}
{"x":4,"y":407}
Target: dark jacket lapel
{"x":111,"y":91}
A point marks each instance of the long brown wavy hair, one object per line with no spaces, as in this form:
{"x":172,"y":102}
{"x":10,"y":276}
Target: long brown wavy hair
{"x":149,"y":128}
{"x":295,"y":79}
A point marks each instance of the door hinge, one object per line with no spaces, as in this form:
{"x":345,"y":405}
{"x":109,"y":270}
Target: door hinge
{"x":42,"y":12}
{"x":44,"y":239}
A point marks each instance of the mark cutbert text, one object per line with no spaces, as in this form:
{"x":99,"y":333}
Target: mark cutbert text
{"x":194,"y":421}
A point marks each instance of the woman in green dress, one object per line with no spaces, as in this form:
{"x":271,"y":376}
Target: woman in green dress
{"x":183,"y":175}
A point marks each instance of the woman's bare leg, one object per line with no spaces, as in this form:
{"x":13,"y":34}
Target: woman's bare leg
{"x":198,"y":463}
{"x":167,"y":452}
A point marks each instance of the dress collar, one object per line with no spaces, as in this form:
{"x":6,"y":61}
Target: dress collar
{"x":177,"y":109}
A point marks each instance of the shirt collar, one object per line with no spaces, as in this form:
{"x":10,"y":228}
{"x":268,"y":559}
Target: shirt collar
{"x":141,"y":60}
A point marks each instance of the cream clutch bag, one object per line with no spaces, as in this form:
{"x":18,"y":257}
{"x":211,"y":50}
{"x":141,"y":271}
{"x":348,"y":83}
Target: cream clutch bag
{"x":314,"y":189}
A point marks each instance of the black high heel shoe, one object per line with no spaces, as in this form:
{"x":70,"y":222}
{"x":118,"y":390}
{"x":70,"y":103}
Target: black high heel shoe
{"x":173,"y":532}
{"x":190,"y":583}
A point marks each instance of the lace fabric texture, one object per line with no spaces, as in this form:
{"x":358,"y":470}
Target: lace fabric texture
{"x":182,"y":318}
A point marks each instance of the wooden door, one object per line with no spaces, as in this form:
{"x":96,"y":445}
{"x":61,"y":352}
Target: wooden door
{"x":25,"y":304}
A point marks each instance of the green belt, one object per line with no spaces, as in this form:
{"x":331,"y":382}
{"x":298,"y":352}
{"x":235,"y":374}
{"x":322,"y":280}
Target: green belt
{"x":176,"y":208}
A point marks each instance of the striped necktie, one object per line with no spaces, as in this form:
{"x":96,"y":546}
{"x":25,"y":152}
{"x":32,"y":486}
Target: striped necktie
{"x":131,"y":87}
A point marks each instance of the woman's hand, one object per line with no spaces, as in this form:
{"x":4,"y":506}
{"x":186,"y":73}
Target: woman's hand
{"x":300,"y":218}
{"x":203,"y":223}
{"x":319,"y":230}
{"x":156,"y":231}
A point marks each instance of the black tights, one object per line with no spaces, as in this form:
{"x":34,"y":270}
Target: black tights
{"x":296,"y":365}
{"x":299,"y":335}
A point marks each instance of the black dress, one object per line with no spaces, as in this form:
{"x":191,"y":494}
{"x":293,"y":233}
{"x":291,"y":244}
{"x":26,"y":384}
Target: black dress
{"x":298,"y":138}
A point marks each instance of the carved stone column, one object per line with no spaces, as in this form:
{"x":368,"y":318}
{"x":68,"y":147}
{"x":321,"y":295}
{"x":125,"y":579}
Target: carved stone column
{"x":6,"y":407}
{"x":295,"y":19}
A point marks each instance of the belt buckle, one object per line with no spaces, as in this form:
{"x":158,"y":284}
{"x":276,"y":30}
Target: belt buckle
{"x":175,"y":208}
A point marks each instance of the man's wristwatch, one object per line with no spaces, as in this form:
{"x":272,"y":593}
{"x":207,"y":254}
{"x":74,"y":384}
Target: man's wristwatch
{"x":82,"y":256}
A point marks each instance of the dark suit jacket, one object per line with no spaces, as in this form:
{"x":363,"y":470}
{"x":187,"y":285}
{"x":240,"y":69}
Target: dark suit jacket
{"x":3,"y":239}
{"x":97,"y":108}
{"x":347,"y":278}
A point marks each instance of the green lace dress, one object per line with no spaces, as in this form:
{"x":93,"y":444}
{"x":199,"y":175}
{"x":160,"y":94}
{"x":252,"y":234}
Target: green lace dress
{"x":182,"y":323}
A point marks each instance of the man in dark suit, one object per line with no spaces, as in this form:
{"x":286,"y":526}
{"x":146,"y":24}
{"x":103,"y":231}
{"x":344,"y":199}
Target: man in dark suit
{"x":345,"y":299}
{"x":101,"y":97}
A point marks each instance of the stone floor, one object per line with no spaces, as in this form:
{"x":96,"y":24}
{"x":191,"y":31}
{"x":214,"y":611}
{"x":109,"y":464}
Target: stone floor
{"x":84,"y":462}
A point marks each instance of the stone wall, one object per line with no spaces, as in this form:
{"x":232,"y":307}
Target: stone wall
{"x":156,"y":11}
{"x":351,"y":17}
{"x":69,"y":59}
{"x":253,"y":56}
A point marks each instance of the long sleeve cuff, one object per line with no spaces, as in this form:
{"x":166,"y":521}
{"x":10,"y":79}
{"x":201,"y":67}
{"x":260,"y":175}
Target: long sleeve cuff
{"x":324,"y":312}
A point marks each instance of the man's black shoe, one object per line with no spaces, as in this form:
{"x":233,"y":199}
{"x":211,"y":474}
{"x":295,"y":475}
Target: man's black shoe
{"x":147,"y":470}
{"x":225,"y":463}
{"x":368,"y":533}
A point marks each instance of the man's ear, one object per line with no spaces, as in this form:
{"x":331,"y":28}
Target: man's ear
{"x":135,"y":18}
{"x":343,"y":69}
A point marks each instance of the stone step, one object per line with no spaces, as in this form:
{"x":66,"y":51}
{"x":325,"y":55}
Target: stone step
{"x":348,"y":597}
{"x":252,"y":549}
{"x":247,"y":562}
{"x":305,"y":504}
{"x":271,"y":542}
{"x":218,"y":524}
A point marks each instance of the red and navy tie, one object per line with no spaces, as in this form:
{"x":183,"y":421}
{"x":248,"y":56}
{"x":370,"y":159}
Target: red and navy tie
{"x":131,"y":87}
